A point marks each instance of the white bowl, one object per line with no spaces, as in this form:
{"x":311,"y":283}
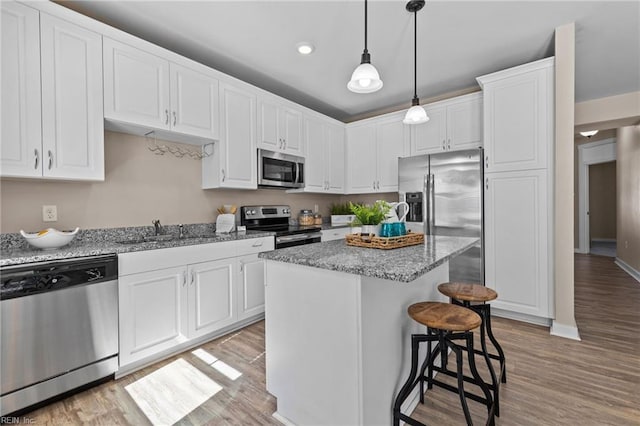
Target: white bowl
{"x":49,"y":238}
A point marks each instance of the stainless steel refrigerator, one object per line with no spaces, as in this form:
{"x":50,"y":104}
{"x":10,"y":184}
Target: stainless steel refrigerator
{"x":445,"y":197}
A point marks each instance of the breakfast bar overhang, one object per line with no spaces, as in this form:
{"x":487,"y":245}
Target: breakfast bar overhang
{"x":337,"y":330}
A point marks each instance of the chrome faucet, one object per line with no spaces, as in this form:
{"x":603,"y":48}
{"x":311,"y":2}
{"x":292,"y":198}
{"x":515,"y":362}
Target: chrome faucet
{"x":158,"y":227}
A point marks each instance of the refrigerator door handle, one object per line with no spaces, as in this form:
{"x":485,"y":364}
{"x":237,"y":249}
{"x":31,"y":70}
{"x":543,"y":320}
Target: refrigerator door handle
{"x":431,"y":204}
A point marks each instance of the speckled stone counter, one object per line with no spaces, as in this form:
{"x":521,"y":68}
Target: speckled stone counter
{"x":93,"y":242}
{"x":404,"y":264}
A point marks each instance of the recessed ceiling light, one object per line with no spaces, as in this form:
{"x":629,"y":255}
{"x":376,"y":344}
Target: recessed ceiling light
{"x":305,"y":48}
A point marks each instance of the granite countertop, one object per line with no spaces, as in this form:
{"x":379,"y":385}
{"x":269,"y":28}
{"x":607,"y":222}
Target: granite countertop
{"x":404,"y":264}
{"x":19,"y":252}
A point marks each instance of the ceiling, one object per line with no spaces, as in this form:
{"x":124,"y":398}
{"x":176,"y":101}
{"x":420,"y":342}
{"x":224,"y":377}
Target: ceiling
{"x":457,"y":41}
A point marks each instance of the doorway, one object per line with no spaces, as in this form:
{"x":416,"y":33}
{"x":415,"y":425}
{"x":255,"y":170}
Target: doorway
{"x":602,"y":209}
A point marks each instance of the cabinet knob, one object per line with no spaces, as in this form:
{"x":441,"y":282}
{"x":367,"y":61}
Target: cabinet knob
{"x":50,"y":155}
{"x":37,"y":158}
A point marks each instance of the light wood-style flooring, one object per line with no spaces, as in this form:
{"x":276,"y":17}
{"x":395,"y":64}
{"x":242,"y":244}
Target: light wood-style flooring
{"x":551,"y":380}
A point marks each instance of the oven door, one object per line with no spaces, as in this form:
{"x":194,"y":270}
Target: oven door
{"x":297,"y":239}
{"x":282,"y":170}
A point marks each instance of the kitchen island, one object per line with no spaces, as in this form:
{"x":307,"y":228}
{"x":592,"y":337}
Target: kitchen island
{"x":337,"y":330}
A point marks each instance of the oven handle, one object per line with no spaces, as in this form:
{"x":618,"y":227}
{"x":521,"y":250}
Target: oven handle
{"x":297,"y":237}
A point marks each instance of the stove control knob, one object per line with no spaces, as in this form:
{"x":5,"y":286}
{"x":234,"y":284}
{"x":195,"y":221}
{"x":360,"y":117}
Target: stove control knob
{"x":285,"y":211}
{"x":252,"y":212}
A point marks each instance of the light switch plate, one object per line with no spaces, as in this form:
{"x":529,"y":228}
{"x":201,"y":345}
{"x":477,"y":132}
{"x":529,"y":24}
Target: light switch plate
{"x":49,"y":214}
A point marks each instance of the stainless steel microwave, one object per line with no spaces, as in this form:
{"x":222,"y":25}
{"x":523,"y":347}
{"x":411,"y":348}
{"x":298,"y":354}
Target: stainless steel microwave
{"x":280,"y":170}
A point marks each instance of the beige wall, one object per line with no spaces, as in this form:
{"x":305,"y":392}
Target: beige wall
{"x":608,"y":113}
{"x":139,"y":187}
{"x":602,"y":201}
{"x":628,"y":200}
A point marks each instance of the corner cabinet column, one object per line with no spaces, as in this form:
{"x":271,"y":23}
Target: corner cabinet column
{"x":518,"y":189}
{"x":234,"y":158}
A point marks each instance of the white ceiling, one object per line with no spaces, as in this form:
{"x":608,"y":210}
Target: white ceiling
{"x":457,"y":41}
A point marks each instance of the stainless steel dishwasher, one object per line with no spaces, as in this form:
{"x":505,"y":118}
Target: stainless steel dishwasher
{"x":59,"y":328}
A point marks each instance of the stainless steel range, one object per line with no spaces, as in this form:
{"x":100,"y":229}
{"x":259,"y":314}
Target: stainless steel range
{"x":276,"y":219}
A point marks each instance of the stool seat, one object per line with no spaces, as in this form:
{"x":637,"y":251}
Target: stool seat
{"x":444,"y":316}
{"x":467,"y":292}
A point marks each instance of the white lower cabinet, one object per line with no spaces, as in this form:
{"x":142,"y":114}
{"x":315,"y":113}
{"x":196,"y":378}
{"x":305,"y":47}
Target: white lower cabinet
{"x":204,"y":291}
{"x":517,"y":241}
{"x":153,"y":313}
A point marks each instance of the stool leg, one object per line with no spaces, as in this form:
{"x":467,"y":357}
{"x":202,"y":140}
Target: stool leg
{"x":408,"y":385}
{"x":478,"y":379}
{"x":483,"y":343}
{"x":427,"y":364}
{"x":503,"y":367}
{"x":460,"y":376}
{"x":432,"y":351}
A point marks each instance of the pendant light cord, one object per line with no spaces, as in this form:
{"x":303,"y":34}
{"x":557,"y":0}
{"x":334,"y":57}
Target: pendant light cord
{"x":365,"y":27}
{"x":415,"y":54}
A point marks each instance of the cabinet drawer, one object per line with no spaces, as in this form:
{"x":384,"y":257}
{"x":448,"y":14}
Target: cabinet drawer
{"x":255,"y":245}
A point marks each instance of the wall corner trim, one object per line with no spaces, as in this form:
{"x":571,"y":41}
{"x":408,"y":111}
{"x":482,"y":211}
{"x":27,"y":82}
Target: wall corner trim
{"x":565,"y":331}
{"x":628,"y":269}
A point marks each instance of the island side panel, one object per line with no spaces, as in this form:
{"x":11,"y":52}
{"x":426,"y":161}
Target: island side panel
{"x":312,"y":344}
{"x":386,"y":339}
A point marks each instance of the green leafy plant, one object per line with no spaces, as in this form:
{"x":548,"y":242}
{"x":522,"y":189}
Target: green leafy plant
{"x":367,"y":214}
{"x":340,"y":208}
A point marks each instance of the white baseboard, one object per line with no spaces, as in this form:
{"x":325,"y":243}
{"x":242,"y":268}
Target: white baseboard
{"x":282,"y":419}
{"x":566,"y":331}
{"x":628,"y":269}
{"x":604,"y":240}
{"x":546,"y":322}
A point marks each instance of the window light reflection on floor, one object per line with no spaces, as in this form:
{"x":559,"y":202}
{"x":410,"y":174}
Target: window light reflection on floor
{"x":214,"y":362}
{"x":171,"y":392}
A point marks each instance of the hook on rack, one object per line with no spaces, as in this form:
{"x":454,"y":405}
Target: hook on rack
{"x":179,"y":152}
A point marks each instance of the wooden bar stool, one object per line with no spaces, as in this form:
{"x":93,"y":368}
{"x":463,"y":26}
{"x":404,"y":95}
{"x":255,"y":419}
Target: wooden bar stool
{"x":475,"y":297}
{"x":447,"y":324}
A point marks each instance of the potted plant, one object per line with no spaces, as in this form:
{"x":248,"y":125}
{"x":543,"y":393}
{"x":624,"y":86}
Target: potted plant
{"x":370,"y":216}
{"x":341,"y":214}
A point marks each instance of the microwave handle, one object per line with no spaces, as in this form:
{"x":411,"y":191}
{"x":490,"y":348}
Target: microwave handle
{"x":297,"y":176}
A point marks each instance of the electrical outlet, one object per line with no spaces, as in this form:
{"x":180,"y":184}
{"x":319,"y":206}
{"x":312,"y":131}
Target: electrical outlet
{"x":315,"y":208}
{"x":49,"y":214}
{"x":626,"y":244}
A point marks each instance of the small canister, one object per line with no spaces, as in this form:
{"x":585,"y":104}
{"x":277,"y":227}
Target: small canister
{"x":317,"y":219}
{"x":305,"y":218}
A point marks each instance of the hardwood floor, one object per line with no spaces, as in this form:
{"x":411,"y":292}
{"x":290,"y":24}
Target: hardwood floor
{"x":551,"y":380}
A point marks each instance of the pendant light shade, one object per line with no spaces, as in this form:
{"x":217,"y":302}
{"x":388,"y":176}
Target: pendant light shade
{"x":416,"y":114}
{"x":365,"y":78}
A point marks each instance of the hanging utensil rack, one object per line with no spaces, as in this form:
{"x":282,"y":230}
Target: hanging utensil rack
{"x":176,"y":151}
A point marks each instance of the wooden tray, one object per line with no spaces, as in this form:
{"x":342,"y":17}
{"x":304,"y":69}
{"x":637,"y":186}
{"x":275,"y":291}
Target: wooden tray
{"x":411,"y":239}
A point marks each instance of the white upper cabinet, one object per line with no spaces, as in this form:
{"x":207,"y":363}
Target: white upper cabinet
{"x":52,"y":97}
{"x":518,"y":116}
{"x":373,"y":148}
{"x":21,"y":148}
{"x":146,"y":90}
{"x":233,"y":163}
{"x":453,"y":125}
{"x":279,"y":127}
{"x":324,"y":165}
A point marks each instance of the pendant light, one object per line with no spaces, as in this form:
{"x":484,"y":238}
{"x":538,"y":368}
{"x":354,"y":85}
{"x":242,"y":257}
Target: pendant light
{"x":416,"y":114}
{"x":365,"y":78}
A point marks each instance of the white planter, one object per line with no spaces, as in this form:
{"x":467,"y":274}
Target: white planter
{"x":341,"y":219}
{"x":371,"y":229}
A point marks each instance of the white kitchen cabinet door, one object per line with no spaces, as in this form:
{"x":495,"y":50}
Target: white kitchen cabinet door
{"x":280,"y":128}
{"x":136,"y":86}
{"x":315,"y":161}
{"x":21,"y":148}
{"x":152,"y":312}
{"x":390,"y":143}
{"x":361,"y":159}
{"x":251,"y":287}
{"x":334,"y":158}
{"x":464,"y":123}
{"x":517,"y":245}
{"x":194,"y":103}
{"x":430,"y":137}
{"x":518,"y":117}
{"x":211,"y":296}
{"x":238,"y":154}
{"x":72,"y":117}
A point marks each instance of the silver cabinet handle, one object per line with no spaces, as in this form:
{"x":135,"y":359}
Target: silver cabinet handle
{"x":486,"y":162}
{"x":184,"y":278}
{"x":487,"y":183}
{"x":37,"y":155}
{"x":257,"y":244}
{"x":50,"y":155}
{"x":166,"y":116}
{"x":374,"y":184}
{"x":223,"y":175}
{"x":193,"y":278}
{"x":443,"y":145}
{"x":284,"y":143}
{"x":449,"y":144}
{"x":241,"y":266}
{"x":175,"y":118}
